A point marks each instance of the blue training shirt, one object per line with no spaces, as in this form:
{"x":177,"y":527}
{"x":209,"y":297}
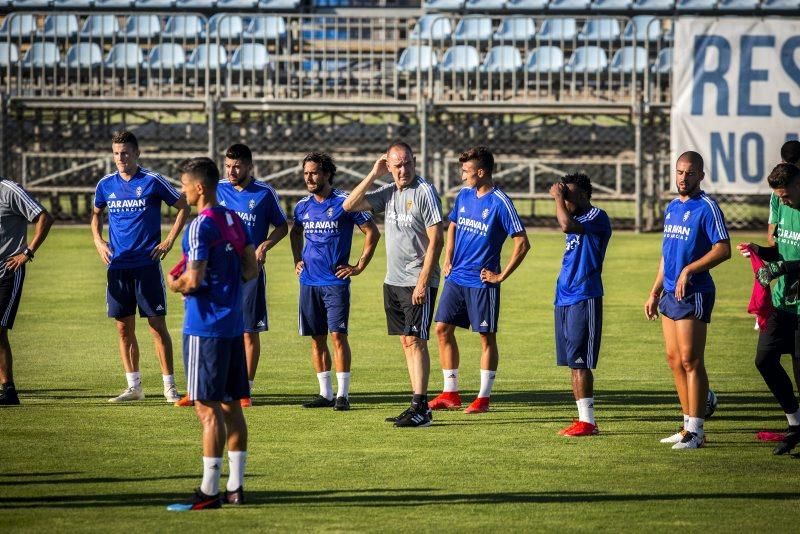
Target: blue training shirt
{"x":134,"y":215}
{"x":328,"y":233}
{"x":215,"y":309}
{"x":690,"y":229}
{"x":582,"y":267}
{"x":257,"y":205}
{"x":482,"y":225}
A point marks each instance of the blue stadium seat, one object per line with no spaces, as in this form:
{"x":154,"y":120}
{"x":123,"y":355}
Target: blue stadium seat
{"x":663,"y":62}
{"x":695,"y":6}
{"x":100,"y":27}
{"x":113,"y":4}
{"x":212,"y":56}
{"x":473,"y":28}
{"x":224,"y":26}
{"x":183,"y":27}
{"x":195,"y":5}
{"x":558,"y":29}
{"x":600,"y":30}
{"x":545,"y":60}
{"x":251,"y":56}
{"x":165,"y":56}
{"x":461,"y":58}
{"x":654,"y":5}
{"x":84,"y":56}
{"x":9,"y":55}
{"x":611,"y":5}
{"x":529,"y":5}
{"x":587,"y":59}
{"x":642,"y":28}
{"x":431,"y":27}
{"x":41,"y":55}
{"x":320,"y":29}
{"x":417,"y":57}
{"x":443,"y":5}
{"x":503,"y":59}
{"x":568,"y":5}
{"x":72,"y":4}
{"x":738,"y":6}
{"x":629,"y":59}
{"x":142,"y":27}
{"x":17,"y":25}
{"x":155,"y":4}
{"x":780,"y":5}
{"x":60,"y":26}
{"x":267,"y":5}
{"x":237,"y":4}
{"x":266,"y":28}
{"x":30,"y":4}
{"x":516,"y":30}
{"x":124,"y":56}
{"x":485,"y":5}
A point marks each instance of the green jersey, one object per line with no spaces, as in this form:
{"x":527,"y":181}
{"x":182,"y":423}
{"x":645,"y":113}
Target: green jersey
{"x":787,"y":239}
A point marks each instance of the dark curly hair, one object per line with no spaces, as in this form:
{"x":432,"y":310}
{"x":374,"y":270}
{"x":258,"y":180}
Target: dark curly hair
{"x":784,"y":174}
{"x":581,"y":180}
{"x":324,"y":162}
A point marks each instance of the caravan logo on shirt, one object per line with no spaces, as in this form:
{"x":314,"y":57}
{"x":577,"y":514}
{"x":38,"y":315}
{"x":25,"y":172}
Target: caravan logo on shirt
{"x":132,"y":204}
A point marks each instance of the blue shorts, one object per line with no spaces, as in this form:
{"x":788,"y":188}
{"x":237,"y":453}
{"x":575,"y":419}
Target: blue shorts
{"x":476,"y":307}
{"x":142,"y":286}
{"x":216,"y":369}
{"x":324,"y":309}
{"x":578,"y":331}
{"x":254,"y":305}
{"x":696,"y":305}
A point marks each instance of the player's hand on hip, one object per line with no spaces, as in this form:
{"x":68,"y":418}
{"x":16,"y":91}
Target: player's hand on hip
{"x":346,"y":271}
{"x":488,"y":277}
{"x":160,"y":251}
{"x":261,"y":253}
{"x":743,"y":249}
{"x":419,"y":294}
{"x":651,"y":308}
{"x":15,"y":262}
{"x":681,"y":283}
{"x":446,"y":268}
{"x":298,"y":267}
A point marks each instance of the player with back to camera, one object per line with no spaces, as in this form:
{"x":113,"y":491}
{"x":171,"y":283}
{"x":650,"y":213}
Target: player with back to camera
{"x":695,"y":241}
{"x":218,"y":258}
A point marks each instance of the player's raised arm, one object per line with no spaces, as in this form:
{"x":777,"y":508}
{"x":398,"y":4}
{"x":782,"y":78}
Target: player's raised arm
{"x":97,"y":234}
{"x":357,"y":200}
{"x":569,"y":225}
{"x":651,"y":304}
{"x":521,"y":247}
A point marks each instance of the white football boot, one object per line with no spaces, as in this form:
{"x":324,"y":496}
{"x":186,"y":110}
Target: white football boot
{"x":129,"y":394}
{"x":690,"y":440}
{"x":674,"y":438}
{"x":171,"y":394}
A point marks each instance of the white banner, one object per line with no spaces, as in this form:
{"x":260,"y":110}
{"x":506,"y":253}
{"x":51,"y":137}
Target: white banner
{"x":735,"y":97}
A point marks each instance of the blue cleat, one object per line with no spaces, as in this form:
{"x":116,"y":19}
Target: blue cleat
{"x":198,"y":501}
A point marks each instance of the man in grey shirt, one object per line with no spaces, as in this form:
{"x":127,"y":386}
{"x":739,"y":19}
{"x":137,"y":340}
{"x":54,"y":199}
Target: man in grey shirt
{"x":17,"y":209}
{"x":413,"y":230}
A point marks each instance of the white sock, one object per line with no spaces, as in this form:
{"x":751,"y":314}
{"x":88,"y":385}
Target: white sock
{"x":343,"y":381}
{"x":685,"y":421}
{"x":169,"y":381}
{"x":487,"y":381}
{"x":586,"y":409}
{"x":251,"y":389}
{"x":696,"y":425}
{"x":212,"y":468}
{"x":450,"y":380}
{"x":134,"y":379}
{"x":236,"y":463}
{"x":325,"y":388}
{"x":794,"y":418}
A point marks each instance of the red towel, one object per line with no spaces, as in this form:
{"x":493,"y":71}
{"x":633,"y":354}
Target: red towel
{"x":761,"y":298}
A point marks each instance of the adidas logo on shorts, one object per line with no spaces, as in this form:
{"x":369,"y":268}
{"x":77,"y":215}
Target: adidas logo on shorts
{"x":159,"y":308}
{"x":484,"y":323}
{"x":342,"y":325}
{"x":260,"y":324}
{"x":579,"y":360}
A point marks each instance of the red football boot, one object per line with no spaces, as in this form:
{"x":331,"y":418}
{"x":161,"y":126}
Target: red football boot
{"x":580,"y":428}
{"x":245,"y":402}
{"x":479,"y":405}
{"x":449,"y":400}
{"x":185,"y":401}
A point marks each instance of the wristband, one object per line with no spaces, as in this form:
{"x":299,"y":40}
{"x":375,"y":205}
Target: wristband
{"x":29,"y":253}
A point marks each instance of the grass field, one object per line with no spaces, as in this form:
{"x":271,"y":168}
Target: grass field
{"x":71,"y":461}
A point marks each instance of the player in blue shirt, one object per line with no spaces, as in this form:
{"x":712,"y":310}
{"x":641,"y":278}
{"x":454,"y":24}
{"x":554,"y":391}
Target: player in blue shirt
{"x":218,"y":257}
{"x":481,"y":219}
{"x":695,"y":241}
{"x":579,"y":292}
{"x":258,"y":206}
{"x":323,"y":266}
{"x":133,"y":197}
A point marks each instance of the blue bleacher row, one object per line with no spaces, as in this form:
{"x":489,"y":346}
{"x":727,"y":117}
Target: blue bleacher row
{"x":655,"y":6}
{"x":266,"y":5}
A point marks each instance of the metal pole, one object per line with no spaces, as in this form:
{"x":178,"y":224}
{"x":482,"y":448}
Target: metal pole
{"x":211,"y":118}
{"x":637,"y":124}
{"x":422,"y":117}
{"x":3,"y":116}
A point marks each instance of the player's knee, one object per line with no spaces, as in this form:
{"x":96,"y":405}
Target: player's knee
{"x":126,"y":329}
{"x":443,"y":331}
{"x":339,"y":339}
{"x":413,"y":342}
{"x":673,"y":359}
{"x":690,"y":363}
{"x":764,"y":361}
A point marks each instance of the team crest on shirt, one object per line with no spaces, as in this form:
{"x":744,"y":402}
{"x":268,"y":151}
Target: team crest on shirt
{"x":686,"y":216}
{"x":485,"y":213}
{"x":222,"y":203}
{"x":462,"y":210}
{"x":667,"y":217}
{"x":251,"y":204}
{"x":409,"y":203}
{"x":138,"y":191}
{"x":330,"y":212}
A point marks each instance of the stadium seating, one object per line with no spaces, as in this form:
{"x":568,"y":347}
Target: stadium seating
{"x":695,"y":6}
{"x":211,"y":56}
{"x":60,"y":27}
{"x":30,"y":4}
{"x":599,"y":30}
{"x":516,"y":30}
{"x":183,"y":27}
{"x":237,"y":4}
{"x":502,"y":59}
{"x":155,"y":4}
{"x":224,"y":26}
{"x":18,"y":25}
{"x":629,"y":59}
{"x":545,"y":60}
{"x":9,"y":55}
{"x":124,"y":56}
{"x":431,"y":27}
{"x":250,"y":57}
{"x":654,"y":5}
{"x":443,"y":5}
{"x":165,"y":56}
{"x":531,"y":5}
{"x":114,"y":4}
{"x":558,"y":29}
{"x":610,"y":5}
{"x":267,"y":5}
{"x":472,"y":29}
{"x":416,"y":58}
{"x":142,"y":27}
{"x":72,"y":4}
{"x":663,"y":63}
{"x":460,"y":59}
{"x":587,"y":59}
{"x":195,"y":5}
{"x":265,"y":28}
{"x":781,"y":5}
{"x":41,"y":55}
{"x":99,"y":27}
{"x":568,"y":5}
{"x":737,"y":6}
{"x":485,"y":5}
{"x":84,"y":56}
{"x":642,"y":28}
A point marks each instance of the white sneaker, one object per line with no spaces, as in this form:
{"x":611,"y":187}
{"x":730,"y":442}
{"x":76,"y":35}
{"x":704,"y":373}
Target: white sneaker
{"x":674,"y":438}
{"x":690,"y":440}
{"x":171,"y":394}
{"x":130,"y":394}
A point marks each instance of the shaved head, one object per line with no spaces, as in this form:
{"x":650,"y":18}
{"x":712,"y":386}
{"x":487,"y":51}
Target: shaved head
{"x":694,"y":158}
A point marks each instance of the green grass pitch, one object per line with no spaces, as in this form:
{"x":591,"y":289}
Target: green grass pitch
{"x":71,"y":461}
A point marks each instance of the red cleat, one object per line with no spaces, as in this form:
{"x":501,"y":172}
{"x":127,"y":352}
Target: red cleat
{"x":770,"y":436}
{"x":449,"y":400}
{"x":479,"y":405}
{"x":580,"y":428}
{"x":185,"y":401}
{"x":245,"y":402}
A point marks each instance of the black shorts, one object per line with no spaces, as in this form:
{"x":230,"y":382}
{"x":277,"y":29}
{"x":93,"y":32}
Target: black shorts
{"x":782,"y":335}
{"x":404,"y":318}
{"x":10,"y":294}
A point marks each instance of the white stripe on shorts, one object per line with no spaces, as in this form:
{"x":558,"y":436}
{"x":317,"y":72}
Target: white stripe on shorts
{"x":14,"y":293}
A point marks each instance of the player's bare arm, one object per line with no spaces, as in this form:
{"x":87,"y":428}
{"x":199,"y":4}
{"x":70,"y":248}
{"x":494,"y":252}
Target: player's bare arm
{"x":357,"y":200}
{"x":274,"y":237}
{"x":771,"y":229}
{"x":162,"y":249}
{"x":43,"y":223}
{"x":432,"y":254}
{"x":97,"y":233}
{"x":249,"y":263}
{"x":449,"y":247}
{"x":566,"y":221}
{"x":651,"y":304}
{"x":521,"y":247}
{"x":190,"y":279}
{"x":720,"y":251}
{"x":371,"y":237}
{"x":296,"y":240}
